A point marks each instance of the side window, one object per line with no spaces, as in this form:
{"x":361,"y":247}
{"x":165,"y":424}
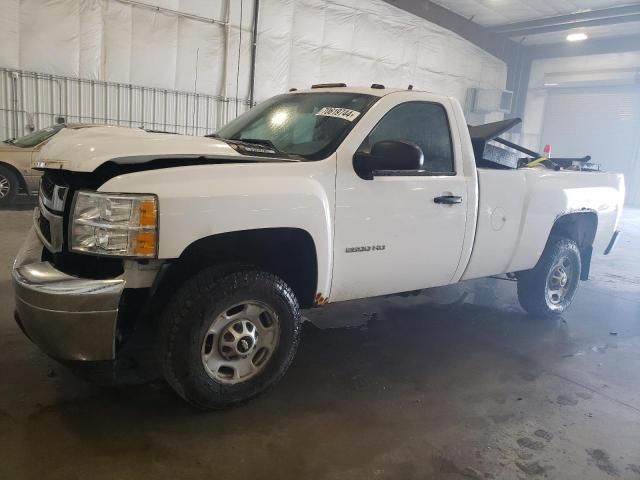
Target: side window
{"x":423,"y":123}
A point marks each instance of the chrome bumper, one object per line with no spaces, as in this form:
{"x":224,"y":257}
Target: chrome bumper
{"x":69,"y":318}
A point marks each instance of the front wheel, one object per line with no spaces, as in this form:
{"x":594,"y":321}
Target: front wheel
{"x":548,"y":289}
{"x":227,"y":337}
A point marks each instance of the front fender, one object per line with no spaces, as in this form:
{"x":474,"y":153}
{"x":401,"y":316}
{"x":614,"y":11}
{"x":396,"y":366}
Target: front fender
{"x":203,"y":200}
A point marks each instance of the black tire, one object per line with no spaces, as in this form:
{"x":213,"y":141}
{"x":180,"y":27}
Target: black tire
{"x":187,"y":318}
{"x":8,"y":178}
{"x":535,"y":292}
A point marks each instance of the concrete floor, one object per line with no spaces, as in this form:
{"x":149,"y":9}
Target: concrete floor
{"x":457,"y":383}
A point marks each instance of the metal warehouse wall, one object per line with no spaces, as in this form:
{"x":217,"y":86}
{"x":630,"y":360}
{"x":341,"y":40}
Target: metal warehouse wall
{"x":588,"y":105}
{"x":179,"y":48}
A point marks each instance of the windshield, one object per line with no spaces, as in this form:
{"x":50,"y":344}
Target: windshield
{"x":37,"y":137}
{"x":309,"y":125}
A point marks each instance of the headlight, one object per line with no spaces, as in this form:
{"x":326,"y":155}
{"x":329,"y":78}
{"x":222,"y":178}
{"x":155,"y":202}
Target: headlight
{"x":123,"y":225}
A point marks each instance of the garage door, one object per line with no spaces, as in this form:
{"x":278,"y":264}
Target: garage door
{"x":601,"y":122}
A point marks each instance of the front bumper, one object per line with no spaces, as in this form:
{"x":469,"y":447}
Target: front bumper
{"x":69,"y":318}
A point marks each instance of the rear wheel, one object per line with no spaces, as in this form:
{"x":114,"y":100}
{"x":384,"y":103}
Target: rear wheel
{"x":8,"y":186}
{"x":227,"y":337}
{"x":548,"y":289}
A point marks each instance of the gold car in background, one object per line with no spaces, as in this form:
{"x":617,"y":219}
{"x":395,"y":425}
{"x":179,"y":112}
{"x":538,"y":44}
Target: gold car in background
{"x":16,"y":174}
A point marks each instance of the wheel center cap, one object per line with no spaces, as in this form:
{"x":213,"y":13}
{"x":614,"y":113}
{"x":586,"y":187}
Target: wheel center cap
{"x":238,"y":340}
{"x":244,"y":344}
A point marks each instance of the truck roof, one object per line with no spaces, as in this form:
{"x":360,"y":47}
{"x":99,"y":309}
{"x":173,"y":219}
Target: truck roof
{"x":375,"y":90}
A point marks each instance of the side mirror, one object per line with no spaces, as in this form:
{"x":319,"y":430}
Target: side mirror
{"x":394,"y":155}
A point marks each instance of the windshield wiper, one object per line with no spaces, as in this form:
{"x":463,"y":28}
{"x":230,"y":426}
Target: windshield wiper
{"x":256,"y":141}
{"x":247,"y":141}
{"x":260,"y":143}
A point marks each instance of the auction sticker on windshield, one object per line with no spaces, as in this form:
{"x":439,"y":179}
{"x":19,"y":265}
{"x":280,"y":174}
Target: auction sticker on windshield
{"x":337,"y":112}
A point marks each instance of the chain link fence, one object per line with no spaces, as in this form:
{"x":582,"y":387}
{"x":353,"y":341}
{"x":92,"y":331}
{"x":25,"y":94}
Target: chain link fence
{"x":30,"y":101}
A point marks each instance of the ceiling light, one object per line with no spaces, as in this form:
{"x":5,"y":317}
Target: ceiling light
{"x":577,"y":37}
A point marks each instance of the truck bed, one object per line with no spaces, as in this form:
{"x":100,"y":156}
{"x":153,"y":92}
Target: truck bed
{"x":517,"y":209}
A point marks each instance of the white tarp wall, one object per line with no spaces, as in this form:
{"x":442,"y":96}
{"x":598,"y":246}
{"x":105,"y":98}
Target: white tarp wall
{"x":300,"y":42}
{"x":362,"y":42}
{"x":119,"y":42}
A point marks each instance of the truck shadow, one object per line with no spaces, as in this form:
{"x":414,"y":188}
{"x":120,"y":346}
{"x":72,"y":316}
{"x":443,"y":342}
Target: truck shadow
{"x":424,"y":357}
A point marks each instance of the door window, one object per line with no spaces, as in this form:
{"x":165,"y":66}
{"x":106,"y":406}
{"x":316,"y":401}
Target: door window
{"x":423,"y":123}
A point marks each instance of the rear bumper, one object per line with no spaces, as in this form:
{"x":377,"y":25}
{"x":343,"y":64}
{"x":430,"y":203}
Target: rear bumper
{"x":612,"y":242}
{"x":69,"y":318}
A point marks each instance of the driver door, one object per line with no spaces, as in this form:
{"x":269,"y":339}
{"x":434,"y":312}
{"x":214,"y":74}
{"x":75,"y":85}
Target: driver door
{"x":390,"y":234}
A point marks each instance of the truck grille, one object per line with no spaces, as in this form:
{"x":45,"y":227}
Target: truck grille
{"x":46,"y":186}
{"x":48,"y":219}
{"x":45,"y":228}
{"x":53,"y":195}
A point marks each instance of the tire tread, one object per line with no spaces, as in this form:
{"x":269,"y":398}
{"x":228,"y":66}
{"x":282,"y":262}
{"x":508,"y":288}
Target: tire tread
{"x":532,"y":283}
{"x":188,"y":305}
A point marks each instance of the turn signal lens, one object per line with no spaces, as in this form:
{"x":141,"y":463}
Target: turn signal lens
{"x":145,"y":244}
{"x":147,"y":213}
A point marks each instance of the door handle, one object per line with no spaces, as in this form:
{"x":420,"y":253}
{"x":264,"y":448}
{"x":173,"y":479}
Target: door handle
{"x":448,"y":200}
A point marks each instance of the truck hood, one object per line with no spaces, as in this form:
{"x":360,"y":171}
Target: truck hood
{"x":84,"y":150}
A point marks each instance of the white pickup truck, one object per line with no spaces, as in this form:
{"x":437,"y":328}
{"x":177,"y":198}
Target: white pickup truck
{"x":210,"y":246}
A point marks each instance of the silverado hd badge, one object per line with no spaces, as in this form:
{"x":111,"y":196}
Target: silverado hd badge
{"x":372,"y":248}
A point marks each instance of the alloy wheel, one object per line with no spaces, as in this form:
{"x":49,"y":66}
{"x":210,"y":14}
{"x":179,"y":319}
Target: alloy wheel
{"x":5,"y":186}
